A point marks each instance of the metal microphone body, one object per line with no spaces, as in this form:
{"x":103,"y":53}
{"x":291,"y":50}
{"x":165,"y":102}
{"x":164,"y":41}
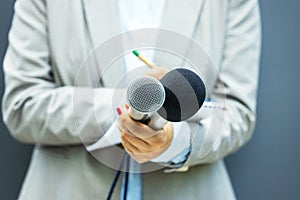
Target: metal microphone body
{"x":145,"y":96}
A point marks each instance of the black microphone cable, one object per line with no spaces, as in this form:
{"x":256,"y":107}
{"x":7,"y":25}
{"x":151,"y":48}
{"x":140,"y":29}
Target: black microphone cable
{"x":117,"y":175}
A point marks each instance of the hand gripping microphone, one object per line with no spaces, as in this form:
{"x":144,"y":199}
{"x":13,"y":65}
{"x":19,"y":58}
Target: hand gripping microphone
{"x":176,"y":97}
{"x":145,"y":96}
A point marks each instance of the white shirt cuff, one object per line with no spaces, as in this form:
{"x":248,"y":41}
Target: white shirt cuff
{"x":180,"y":142}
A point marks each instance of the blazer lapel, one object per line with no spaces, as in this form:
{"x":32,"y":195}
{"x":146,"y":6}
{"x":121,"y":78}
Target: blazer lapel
{"x":184,"y":17}
{"x":103,"y":24}
{"x":102,"y":17}
{"x":180,"y":17}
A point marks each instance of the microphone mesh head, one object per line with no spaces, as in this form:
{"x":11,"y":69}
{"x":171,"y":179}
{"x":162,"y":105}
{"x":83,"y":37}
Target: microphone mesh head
{"x":145,"y":94}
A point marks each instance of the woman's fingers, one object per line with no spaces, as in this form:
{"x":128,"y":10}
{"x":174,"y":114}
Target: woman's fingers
{"x":135,"y":128}
{"x":141,"y":141}
{"x":160,"y":140}
{"x":130,"y":148}
{"x":140,"y":144}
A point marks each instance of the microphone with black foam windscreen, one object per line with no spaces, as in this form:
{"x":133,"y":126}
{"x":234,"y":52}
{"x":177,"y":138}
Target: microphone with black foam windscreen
{"x":176,"y":97}
{"x":185,"y":94}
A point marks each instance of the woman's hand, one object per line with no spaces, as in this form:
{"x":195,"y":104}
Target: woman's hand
{"x":140,"y":141}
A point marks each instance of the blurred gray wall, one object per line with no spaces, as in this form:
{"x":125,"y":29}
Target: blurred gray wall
{"x":14,"y":157}
{"x":268,"y":167}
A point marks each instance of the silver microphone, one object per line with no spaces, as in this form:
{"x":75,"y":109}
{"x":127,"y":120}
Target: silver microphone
{"x":145,"y":96}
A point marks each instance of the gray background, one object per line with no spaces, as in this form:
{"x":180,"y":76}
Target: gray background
{"x":268,"y":166}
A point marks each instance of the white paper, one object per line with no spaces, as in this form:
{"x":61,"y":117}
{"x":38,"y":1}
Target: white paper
{"x":111,"y":137}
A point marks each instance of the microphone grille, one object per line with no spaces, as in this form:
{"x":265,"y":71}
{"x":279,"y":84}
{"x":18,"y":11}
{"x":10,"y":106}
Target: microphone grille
{"x":145,"y":94}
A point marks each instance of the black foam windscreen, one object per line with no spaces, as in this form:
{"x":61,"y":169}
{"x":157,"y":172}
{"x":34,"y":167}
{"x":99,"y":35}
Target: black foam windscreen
{"x":185,"y":94}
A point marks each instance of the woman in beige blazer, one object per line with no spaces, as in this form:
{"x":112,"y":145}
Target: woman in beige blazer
{"x":48,"y":42}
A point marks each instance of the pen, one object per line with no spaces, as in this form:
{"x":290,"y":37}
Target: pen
{"x":137,"y":54}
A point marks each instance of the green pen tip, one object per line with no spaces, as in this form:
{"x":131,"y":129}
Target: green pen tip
{"x":135,"y":52}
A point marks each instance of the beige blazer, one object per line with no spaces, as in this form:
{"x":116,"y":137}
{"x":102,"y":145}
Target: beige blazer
{"x":47,"y":43}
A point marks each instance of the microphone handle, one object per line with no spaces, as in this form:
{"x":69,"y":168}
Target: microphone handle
{"x":151,"y":119}
{"x":156,"y":121}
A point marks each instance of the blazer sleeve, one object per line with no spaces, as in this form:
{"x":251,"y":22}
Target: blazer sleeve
{"x":239,"y":77}
{"x":35,"y":109}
